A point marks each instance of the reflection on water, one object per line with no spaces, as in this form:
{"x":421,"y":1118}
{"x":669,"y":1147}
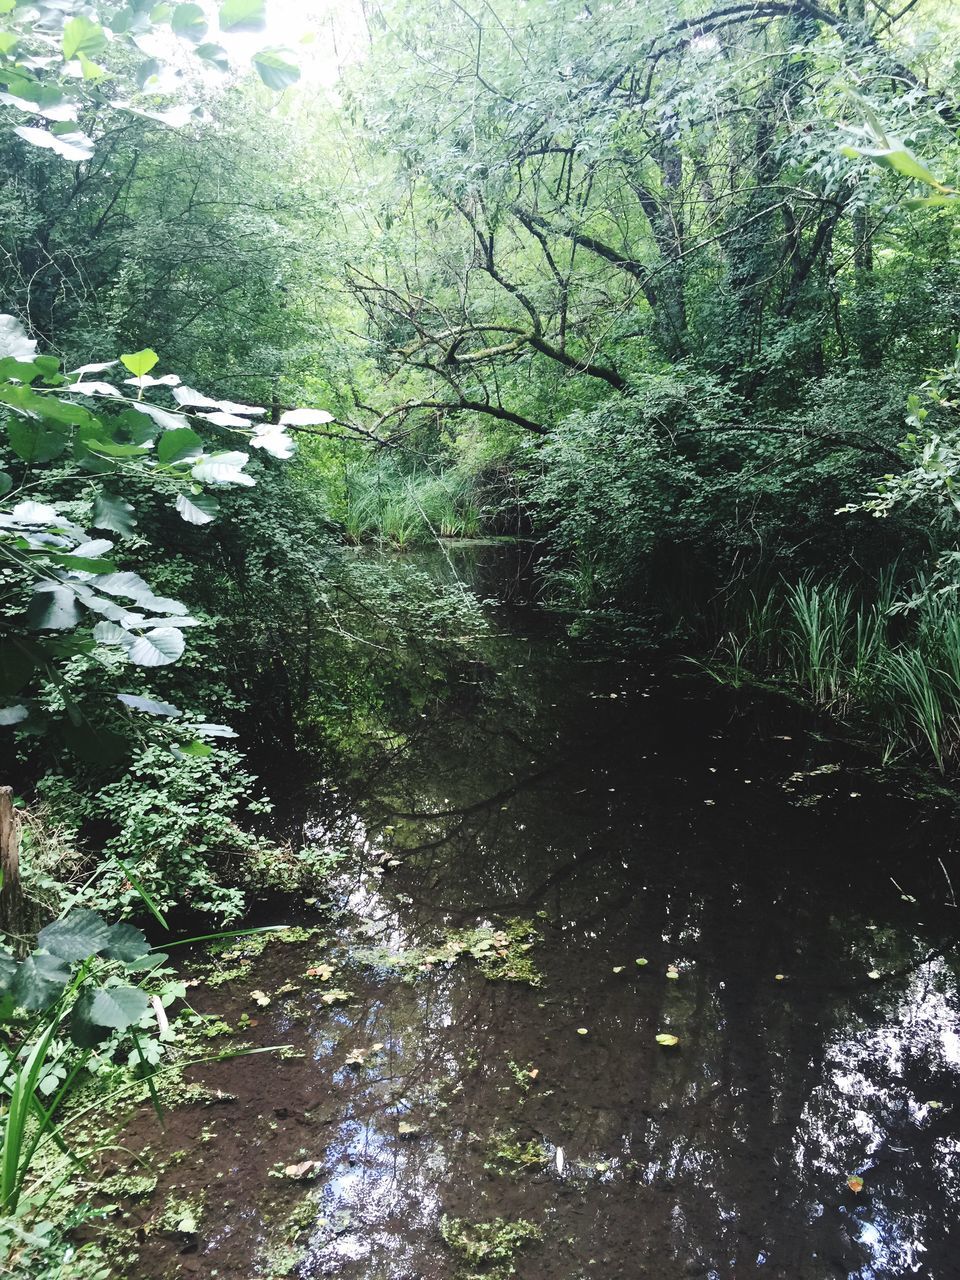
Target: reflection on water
{"x":788,"y":910}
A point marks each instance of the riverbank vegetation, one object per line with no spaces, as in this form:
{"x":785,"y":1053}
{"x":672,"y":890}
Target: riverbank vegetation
{"x":670,"y":289}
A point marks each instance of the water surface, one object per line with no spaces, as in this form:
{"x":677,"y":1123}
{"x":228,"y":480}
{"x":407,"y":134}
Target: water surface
{"x":797,"y":927}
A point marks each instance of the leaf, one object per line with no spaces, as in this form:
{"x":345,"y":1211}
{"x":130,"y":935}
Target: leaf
{"x":158,"y":648}
{"x":13,"y":715}
{"x":118,"y":1007}
{"x":200,"y":508}
{"x":190,"y":21}
{"x":6,"y":483}
{"x":274,"y":69}
{"x":162,"y":417}
{"x":408,"y":1130}
{"x":72,"y":146}
{"x":53,"y":608}
{"x":260,"y":997}
{"x":126,"y":943}
{"x":214,"y":730}
{"x":177,"y":445}
{"x":216,"y":55}
{"x":668,"y":1041}
{"x":34,"y":442}
{"x":79,"y":935}
{"x":223,"y":468}
{"x":305,"y":418}
{"x":13,"y":339}
{"x":39,"y":981}
{"x":336,"y":996}
{"x":147,"y":704}
{"x":140,"y":362}
{"x":243,"y":15}
{"x":641,"y":961}
{"x":113,"y":512}
{"x":275,"y":442}
{"x":673,"y":972}
{"x":583,"y":1031}
{"x":195,"y":748}
{"x":855,"y":1183}
{"x":80,"y":35}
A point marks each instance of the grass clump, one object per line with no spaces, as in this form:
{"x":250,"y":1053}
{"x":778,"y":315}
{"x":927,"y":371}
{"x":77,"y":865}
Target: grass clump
{"x":488,"y":1249}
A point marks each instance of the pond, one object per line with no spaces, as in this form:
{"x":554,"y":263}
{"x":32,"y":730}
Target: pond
{"x":578,"y":858}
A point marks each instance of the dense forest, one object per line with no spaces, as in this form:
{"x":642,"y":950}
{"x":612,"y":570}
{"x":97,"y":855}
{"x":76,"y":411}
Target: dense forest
{"x":299,"y":302}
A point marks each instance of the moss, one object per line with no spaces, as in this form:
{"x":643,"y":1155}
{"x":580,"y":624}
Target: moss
{"x":488,"y":1248}
{"x":502,"y":953}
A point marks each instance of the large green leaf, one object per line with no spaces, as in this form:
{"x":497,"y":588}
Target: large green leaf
{"x":197,"y":508}
{"x":118,"y":1007}
{"x":113,"y":512}
{"x":36,"y":441}
{"x":39,"y":981}
{"x":126,"y":943}
{"x":80,"y":35}
{"x":243,"y":15}
{"x":190,"y":21}
{"x":275,"y":70}
{"x":80,"y":934}
{"x":140,"y":362}
{"x":177,"y":445}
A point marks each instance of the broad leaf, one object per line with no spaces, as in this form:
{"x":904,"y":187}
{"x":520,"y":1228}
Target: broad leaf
{"x":13,"y":715}
{"x":75,"y":146}
{"x":80,"y":934}
{"x":199,"y":508}
{"x":243,"y":15}
{"x":80,"y":35}
{"x":53,"y":608}
{"x":118,"y":1007}
{"x":140,"y":362}
{"x":39,"y":981}
{"x":223,"y":468}
{"x":177,"y":445}
{"x":190,"y":21}
{"x":305,"y":418}
{"x":275,"y":70}
{"x":158,"y":648}
{"x":114,"y":513}
{"x":13,"y":339}
{"x":126,"y":943}
{"x":148,"y":705}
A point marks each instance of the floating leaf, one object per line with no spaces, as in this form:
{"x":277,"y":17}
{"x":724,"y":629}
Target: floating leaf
{"x":260,"y":997}
{"x":618,"y":968}
{"x":855,"y":1183}
{"x":672,"y":971}
{"x":408,"y":1130}
{"x":642,"y":961}
{"x":668,"y":1041}
{"x":583,"y":1031}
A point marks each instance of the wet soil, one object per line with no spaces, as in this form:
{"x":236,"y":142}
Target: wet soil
{"x":793,"y":910}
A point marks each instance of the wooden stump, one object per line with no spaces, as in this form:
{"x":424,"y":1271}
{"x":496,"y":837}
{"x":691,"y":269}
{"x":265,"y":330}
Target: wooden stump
{"x":10,"y":895}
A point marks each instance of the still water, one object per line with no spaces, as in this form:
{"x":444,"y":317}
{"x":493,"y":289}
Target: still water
{"x":793,"y":911}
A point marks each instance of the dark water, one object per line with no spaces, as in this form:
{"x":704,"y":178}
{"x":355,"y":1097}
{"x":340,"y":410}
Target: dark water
{"x":626,"y":811}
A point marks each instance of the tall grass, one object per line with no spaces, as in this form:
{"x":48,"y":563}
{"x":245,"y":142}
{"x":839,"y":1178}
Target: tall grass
{"x":407,"y":508}
{"x":871,"y":660}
